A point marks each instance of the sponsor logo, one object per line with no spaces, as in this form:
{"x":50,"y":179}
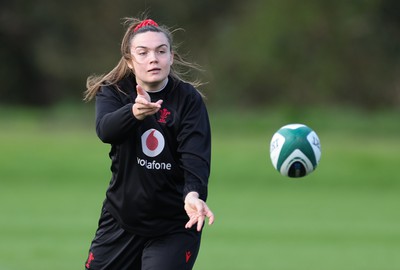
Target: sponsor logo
{"x":152,"y":142}
{"x":154,"y":165}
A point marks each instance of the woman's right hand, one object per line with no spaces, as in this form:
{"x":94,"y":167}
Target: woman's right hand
{"x":143,"y":106}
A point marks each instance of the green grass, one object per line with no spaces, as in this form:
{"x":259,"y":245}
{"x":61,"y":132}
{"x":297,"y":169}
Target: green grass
{"x":54,"y":173}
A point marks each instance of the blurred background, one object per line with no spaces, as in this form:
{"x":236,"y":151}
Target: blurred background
{"x":333,"y":65}
{"x":255,"y":52}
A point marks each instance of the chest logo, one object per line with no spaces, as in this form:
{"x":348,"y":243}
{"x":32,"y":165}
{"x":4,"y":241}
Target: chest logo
{"x":163,"y":116}
{"x":152,"y":142}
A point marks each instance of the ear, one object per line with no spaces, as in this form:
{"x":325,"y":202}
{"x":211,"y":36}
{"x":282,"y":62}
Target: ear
{"x":129,"y":64}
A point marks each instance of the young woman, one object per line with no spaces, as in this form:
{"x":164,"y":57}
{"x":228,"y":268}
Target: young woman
{"x":158,"y":128}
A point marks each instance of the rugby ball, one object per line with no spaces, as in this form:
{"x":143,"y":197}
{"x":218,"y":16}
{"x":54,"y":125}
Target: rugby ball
{"x":295,"y":150}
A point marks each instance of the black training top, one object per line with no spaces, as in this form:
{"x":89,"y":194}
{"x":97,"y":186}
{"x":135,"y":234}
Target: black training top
{"x":156,"y":161}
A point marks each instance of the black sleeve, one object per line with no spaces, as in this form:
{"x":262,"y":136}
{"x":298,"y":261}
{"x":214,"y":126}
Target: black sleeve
{"x":194,"y":141}
{"x":114,"y":116}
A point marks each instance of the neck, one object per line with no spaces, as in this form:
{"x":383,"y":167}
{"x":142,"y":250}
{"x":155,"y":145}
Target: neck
{"x":156,"y":87}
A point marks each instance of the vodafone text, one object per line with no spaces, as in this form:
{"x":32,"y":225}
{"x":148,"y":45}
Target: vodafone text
{"x":153,"y":165}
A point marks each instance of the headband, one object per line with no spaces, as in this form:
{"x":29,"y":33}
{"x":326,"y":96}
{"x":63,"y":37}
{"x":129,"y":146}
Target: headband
{"x":145,"y":23}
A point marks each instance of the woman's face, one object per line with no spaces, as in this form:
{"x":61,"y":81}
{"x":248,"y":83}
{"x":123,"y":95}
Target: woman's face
{"x":151,"y":59}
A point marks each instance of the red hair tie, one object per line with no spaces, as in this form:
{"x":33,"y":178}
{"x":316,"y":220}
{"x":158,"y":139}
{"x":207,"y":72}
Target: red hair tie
{"x":145,"y":23}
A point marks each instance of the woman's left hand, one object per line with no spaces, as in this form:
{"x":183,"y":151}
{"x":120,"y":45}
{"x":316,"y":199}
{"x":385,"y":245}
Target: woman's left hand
{"x":197,"y":210}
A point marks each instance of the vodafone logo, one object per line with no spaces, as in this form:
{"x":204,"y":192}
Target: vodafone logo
{"x":152,"y":142}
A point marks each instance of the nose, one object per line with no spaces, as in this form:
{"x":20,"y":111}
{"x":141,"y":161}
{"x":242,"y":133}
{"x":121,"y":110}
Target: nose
{"x":153,"y":57}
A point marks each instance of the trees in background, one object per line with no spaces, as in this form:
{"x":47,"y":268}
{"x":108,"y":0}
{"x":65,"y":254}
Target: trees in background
{"x":312,"y":52}
{"x":255,"y":52}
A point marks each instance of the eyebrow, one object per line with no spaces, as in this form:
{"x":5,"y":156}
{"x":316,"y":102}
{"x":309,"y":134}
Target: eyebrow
{"x":144,"y":47}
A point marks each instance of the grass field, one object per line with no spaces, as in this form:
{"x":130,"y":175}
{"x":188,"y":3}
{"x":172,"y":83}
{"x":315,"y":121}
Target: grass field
{"x":344,"y":216}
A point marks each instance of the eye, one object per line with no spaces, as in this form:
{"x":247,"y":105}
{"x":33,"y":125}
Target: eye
{"x":141,"y":53}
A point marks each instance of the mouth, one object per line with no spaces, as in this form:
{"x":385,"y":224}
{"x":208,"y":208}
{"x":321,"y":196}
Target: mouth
{"x":154,"y":70}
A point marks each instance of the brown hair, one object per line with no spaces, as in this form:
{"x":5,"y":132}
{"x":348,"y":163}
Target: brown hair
{"x":94,"y":82}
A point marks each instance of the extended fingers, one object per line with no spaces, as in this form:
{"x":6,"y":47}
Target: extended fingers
{"x":142,"y":108}
{"x":146,"y":103}
{"x":210,"y":216}
{"x":199,"y":217}
{"x":200,"y":221}
{"x":191,"y":222}
{"x":148,"y":107}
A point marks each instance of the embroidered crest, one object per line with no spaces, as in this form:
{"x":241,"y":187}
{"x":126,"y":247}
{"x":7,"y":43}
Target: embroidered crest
{"x":164,"y":113}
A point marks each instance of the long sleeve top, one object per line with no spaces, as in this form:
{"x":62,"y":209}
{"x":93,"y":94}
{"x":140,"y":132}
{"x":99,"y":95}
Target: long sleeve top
{"x":155,"y":162}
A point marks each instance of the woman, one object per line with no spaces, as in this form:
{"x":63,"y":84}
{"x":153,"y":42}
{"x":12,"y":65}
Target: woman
{"x":159,"y":132}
